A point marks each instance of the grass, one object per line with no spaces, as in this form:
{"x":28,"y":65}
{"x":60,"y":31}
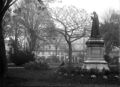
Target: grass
{"x":21,"y":77}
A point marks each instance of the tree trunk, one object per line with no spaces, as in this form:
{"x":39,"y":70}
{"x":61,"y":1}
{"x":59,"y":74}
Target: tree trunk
{"x":3,"y":60}
{"x":16,"y":41}
{"x":70,"y":53}
{"x":70,"y":58}
{"x":4,"y":5}
{"x":33,"y":40}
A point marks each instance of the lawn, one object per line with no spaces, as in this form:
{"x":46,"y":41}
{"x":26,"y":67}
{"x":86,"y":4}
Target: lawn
{"x":21,"y":77}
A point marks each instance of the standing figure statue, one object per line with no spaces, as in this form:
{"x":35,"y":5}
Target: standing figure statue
{"x":95,"y":26}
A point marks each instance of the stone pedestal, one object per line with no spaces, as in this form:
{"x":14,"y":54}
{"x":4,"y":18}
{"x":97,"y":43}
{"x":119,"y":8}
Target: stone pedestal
{"x":94,"y":56}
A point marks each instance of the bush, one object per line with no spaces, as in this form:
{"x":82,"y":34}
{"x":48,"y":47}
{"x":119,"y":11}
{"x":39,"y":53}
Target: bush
{"x":36,"y":66}
{"x":107,"y":58}
{"x":69,"y":70}
{"x":94,"y":72}
{"x":21,"y":57}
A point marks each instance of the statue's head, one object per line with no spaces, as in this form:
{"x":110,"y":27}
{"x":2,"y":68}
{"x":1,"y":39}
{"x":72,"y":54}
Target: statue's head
{"x":94,"y":14}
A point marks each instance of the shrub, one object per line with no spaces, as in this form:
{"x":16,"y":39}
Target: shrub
{"x":21,"y":57}
{"x":36,"y":66}
{"x":105,"y":72}
{"x":94,"y":71}
{"x":69,"y":70}
{"x":64,"y":69}
{"x":107,"y":58}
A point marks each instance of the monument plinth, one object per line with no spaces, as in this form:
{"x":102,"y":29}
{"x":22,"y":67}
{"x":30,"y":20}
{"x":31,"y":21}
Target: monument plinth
{"x":95,"y":48}
{"x":95,"y":53}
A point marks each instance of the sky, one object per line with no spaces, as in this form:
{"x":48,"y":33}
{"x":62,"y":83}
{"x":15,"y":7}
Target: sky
{"x":100,"y":6}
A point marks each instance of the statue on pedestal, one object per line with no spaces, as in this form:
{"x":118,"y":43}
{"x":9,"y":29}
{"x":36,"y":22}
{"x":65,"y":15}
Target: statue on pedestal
{"x":95,"y":26}
{"x":95,"y":48}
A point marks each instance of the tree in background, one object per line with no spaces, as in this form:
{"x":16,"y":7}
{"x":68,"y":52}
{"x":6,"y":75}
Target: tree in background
{"x":73,"y":24}
{"x":13,"y":30}
{"x":34,"y":19}
{"x":57,"y":40}
{"x":110,"y":30}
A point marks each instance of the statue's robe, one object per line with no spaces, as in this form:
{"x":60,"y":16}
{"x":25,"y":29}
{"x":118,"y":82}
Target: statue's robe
{"x":95,"y":28}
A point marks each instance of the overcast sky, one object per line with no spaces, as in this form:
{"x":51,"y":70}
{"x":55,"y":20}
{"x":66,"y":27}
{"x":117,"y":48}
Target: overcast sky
{"x":100,"y":6}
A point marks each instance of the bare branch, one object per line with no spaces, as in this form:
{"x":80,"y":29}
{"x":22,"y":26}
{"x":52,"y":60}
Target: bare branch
{"x":74,"y":22}
{"x":12,"y":3}
{"x":76,"y":38}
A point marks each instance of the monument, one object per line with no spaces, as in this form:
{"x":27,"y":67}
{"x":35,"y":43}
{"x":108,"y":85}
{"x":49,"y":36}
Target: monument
{"x":95,"y":48}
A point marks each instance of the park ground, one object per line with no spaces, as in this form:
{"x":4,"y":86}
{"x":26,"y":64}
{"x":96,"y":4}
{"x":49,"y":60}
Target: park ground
{"x":20,"y":77}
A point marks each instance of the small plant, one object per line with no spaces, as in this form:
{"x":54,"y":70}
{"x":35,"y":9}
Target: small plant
{"x":105,"y":72}
{"x":85,"y":71}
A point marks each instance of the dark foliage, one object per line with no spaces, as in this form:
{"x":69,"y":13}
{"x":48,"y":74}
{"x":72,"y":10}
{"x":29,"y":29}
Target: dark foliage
{"x":21,"y":57}
{"x":107,"y":58}
{"x":69,"y":70}
{"x":110,"y":32}
{"x":77,"y":71}
{"x":113,"y":64}
{"x":94,"y":71}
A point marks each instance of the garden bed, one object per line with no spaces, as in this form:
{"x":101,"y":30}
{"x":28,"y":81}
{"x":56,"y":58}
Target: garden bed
{"x":52,"y":79}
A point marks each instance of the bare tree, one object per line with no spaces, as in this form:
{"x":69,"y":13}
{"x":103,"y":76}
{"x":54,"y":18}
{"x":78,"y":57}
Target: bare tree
{"x":73,"y":23}
{"x":35,"y":21}
{"x":57,"y":40}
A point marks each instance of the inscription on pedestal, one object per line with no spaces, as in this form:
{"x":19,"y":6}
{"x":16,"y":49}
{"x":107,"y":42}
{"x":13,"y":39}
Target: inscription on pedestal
{"x":95,"y":52}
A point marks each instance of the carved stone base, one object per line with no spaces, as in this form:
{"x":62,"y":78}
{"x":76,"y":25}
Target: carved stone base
{"x":95,"y":64}
{"x":94,"y":57}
